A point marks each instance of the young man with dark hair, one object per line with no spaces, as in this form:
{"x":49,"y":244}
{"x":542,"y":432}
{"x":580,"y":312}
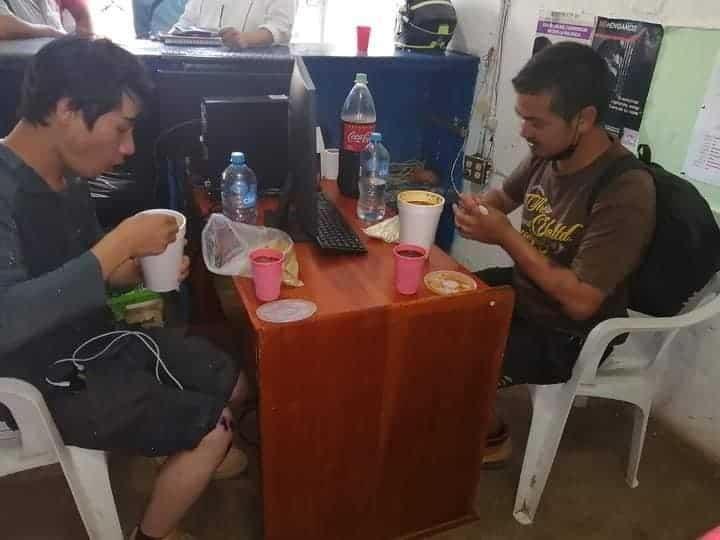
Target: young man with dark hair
{"x":80,"y":101}
{"x":572,"y":256}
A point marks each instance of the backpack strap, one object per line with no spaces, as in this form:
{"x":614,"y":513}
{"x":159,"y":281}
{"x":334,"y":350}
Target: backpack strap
{"x":616,"y":169}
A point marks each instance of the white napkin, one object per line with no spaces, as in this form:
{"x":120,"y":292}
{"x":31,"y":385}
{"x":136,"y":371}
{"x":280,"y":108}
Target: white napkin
{"x":387,"y":230}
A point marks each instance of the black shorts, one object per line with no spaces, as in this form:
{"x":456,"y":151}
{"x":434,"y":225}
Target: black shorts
{"x":537,"y":354}
{"x":123,"y":406}
{"x":534,"y":354}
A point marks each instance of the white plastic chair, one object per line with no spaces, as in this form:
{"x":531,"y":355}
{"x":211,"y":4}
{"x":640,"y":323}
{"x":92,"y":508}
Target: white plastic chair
{"x":632,"y":373}
{"x":39,"y":444}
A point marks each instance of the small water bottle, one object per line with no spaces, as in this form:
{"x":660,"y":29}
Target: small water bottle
{"x":374,"y":171}
{"x":239,"y":190}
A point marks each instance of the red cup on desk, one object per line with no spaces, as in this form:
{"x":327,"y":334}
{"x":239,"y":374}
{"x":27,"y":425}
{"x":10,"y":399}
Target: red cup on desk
{"x":409,"y":265}
{"x":363,"y":39}
{"x":266,"y":265}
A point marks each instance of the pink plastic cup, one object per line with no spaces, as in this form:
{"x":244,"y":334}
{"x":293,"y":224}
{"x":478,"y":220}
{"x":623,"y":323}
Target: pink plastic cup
{"x":267,"y":273}
{"x":363,"y":38}
{"x":409,"y":264}
{"x":711,"y":535}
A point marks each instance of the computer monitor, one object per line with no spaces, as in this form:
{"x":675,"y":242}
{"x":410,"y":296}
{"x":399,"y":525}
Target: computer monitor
{"x":297,"y":212}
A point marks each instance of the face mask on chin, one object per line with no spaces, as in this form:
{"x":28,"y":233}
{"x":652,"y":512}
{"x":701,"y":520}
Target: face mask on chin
{"x":569,"y":150}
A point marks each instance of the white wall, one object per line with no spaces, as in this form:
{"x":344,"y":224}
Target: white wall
{"x":689,"y":399}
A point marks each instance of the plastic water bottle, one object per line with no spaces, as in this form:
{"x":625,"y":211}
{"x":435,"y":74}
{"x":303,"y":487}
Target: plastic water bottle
{"x":374,"y":171}
{"x":358,"y":122}
{"x":239,"y":190}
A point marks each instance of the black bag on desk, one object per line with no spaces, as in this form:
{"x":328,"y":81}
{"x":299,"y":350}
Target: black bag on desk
{"x":426,"y":26}
{"x":685,"y":251}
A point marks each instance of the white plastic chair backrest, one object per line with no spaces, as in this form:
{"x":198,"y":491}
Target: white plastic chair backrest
{"x":702,"y":306}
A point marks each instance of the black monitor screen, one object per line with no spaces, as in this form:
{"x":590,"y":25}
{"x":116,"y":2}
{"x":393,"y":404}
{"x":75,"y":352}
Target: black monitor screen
{"x":298,"y":206}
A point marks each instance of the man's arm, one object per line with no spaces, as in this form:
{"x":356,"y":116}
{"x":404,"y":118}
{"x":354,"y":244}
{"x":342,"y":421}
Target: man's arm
{"x":234,"y":39}
{"x":279,"y":20}
{"x":80,"y":12}
{"x":621,"y":226}
{"x":12,"y":27}
{"x":497,"y":198}
{"x":578,"y":300}
{"x":30,"y":306}
{"x":126,"y":275}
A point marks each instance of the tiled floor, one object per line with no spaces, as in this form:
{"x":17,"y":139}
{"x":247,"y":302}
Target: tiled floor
{"x":586,"y":496}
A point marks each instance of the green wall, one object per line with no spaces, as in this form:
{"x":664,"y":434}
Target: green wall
{"x":687,"y":57}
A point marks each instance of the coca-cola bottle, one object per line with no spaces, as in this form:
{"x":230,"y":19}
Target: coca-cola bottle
{"x":358,"y":122}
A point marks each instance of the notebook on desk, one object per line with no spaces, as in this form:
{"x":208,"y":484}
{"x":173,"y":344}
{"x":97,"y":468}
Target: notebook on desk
{"x":191,"y":37}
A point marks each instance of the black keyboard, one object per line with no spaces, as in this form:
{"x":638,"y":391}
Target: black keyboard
{"x":333,"y":232}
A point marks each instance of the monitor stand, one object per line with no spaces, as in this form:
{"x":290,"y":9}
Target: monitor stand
{"x":283,"y":219}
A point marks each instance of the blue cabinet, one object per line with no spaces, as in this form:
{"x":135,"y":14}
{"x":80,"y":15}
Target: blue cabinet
{"x":418,"y":98}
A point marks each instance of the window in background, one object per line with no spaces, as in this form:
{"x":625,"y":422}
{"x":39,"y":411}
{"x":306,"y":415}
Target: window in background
{"x":333,"y":22}
{"x":113,"y":19}
{"x":343,"y":16}
{"x":309,"y":16}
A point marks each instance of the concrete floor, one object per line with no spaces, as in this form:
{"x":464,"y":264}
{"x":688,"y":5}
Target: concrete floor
{"x":586,"y":496}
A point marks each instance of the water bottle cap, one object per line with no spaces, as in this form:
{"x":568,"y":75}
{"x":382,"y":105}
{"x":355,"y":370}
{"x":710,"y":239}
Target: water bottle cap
{"x":361,"y":78}
{"x":237,"y":158}
{"x":375,"y":137}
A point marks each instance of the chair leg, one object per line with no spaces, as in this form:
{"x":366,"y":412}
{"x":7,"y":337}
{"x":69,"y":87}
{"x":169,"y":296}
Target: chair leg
{"x":640,"y":421}
{"x":86,"y":472}
{"x":551,"y":409}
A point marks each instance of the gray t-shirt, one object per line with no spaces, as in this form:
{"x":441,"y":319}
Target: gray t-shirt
{"x":34,"y":11}
{"x":31,"y":306}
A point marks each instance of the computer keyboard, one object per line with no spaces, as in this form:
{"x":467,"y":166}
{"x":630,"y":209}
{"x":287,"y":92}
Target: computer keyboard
{"x":333,"y":232}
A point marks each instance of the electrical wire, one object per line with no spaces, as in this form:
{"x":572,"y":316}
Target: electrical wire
{"x":117,"y":336}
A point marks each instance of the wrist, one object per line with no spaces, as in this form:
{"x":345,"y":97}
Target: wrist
{"x":507,"y":235}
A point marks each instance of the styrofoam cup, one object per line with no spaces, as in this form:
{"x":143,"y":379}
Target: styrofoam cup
{"x":419,"y":213}
{"x":161,"y":273}
{"x":330,"y":163}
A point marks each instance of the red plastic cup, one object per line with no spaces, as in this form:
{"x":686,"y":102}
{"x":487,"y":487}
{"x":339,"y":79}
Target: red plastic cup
{"x":409,"y":264}
{"x":363,"y":38}
{"x":266,"y":267}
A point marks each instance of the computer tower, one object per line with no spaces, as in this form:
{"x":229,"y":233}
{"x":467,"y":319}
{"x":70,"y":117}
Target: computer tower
{"x":255,"y":125}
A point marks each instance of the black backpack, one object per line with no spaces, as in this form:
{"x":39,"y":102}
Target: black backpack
{"x":685,"y":250}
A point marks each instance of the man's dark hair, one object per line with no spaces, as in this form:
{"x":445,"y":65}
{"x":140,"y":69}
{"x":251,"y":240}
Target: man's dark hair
{"x":93,"y":73}
{"x":574,"y":75}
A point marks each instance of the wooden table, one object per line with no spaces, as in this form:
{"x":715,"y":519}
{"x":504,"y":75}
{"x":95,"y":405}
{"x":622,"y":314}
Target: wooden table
{"x":373,"y":412}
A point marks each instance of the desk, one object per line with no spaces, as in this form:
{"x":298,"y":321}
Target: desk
{"x":373,"y":412}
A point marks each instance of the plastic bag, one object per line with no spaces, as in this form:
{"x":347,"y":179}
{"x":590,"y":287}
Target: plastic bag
{"x":226,"y":246}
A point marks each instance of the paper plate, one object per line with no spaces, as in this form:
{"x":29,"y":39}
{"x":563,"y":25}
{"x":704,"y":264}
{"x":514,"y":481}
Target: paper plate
{"x":284,"y":311}
{"x":446,"y":282}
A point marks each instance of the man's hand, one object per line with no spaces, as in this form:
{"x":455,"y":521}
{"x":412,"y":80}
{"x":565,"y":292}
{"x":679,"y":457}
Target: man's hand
{"x":480,"y":222}
{"x":147,"y":234}
{"x":232,"y":38}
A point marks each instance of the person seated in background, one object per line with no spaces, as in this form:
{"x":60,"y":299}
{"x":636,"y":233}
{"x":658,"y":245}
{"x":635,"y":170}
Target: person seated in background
{"x":55,"y":264}
{"x":152,"y":17}
{"x":578,"y":245}
{"x":23,"y":19}
{"x":242,"y":23}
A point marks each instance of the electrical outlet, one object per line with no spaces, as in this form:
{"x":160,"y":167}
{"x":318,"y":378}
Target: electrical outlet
{"x":477,"y":169}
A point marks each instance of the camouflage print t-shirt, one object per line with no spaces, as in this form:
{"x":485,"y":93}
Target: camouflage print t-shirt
{"x":602,"y":245}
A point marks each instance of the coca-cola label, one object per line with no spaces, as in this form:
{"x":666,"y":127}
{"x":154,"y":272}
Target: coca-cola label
{"x":356,"y":136}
